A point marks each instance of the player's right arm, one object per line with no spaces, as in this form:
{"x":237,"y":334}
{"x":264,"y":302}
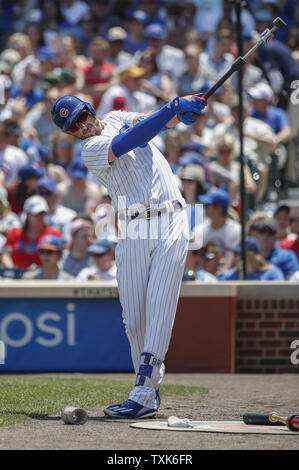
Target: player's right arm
{"x":185,"y":109}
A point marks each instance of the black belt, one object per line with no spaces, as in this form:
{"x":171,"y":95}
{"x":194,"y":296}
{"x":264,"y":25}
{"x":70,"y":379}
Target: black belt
{"x":149,"y":213}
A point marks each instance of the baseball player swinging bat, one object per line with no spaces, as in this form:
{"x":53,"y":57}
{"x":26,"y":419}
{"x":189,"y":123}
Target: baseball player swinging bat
{"x":292,"y":422}
{"x":119,"y":152}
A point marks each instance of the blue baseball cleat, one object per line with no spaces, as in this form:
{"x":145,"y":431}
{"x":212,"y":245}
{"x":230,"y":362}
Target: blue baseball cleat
{"x":129,"y":409}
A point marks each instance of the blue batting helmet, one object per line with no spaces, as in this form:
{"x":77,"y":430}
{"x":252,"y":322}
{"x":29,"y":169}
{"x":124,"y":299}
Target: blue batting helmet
{"x":67,"y":108}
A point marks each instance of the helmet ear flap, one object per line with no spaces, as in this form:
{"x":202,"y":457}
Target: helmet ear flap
{"x":90,"y":108}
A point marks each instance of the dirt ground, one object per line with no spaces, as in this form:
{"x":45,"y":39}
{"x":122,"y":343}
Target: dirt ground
{"x":229,"y":397}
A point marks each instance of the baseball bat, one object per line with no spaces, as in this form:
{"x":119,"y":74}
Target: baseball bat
{"x":266,"y":36}
{"x":292,"y":422}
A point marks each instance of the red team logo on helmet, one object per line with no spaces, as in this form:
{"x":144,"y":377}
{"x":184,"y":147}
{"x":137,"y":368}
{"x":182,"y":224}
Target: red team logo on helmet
{"x":64,"y":112}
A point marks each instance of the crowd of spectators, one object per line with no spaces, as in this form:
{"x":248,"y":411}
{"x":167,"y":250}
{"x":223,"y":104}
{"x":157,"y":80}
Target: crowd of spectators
{"x":136,"y":55}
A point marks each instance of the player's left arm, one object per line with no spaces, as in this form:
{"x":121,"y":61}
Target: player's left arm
{"x":172,"y":123}
{"x":185,"y":109}
{"x":138,"y":119}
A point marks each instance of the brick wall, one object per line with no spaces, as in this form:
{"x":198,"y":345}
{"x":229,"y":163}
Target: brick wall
{"x":265,"y":329}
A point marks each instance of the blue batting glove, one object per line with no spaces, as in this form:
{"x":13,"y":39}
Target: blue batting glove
{"x":188,"y":117}
{"x":188,"y":108}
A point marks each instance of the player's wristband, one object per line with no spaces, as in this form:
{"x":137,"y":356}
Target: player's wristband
{"x":143,"y":132}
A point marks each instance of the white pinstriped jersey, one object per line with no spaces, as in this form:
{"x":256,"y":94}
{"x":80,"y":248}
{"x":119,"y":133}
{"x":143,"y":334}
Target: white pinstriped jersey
{"x":143,"y":176}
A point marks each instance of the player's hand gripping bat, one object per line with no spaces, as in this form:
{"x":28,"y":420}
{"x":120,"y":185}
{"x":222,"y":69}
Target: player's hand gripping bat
{"x":292,"y":422}
{"x":266,"y":36}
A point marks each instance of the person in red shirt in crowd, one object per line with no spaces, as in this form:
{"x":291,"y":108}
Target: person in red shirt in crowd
{"x":21,"y":243}
{"x":24,"y":188}
{"x":98,"y":73}
{"x":292,"y":241}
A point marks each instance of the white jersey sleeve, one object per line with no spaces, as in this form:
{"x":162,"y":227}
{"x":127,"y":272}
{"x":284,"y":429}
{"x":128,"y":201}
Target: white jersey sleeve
{"x":95,"y":149}
{"x":123,"y":116}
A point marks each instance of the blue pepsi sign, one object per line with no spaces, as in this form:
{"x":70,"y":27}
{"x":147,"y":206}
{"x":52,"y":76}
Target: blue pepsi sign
{"x":63,"y":335}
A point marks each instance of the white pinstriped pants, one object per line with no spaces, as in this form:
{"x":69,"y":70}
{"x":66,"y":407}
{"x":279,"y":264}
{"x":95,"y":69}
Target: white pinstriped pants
{"x":149,"y":275}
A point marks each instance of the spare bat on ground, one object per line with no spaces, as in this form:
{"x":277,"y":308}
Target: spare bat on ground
{"x":272,"y":419}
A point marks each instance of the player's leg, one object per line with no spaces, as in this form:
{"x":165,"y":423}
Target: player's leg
{"x":132,"y":261}
{"x":166,"y":272}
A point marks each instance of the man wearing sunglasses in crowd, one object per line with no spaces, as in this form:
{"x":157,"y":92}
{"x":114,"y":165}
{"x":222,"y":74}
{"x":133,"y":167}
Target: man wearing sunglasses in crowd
{"x":28,"y":87}
{"x":50,"y":250}
{"x":144,"y":191}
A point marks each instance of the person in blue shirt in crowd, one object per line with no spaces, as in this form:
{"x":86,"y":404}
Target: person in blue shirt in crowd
{"x":155,"y":82}
{"x":262,"y":108}
{"x":287,"y":11}
{"x":47,"y":58}
{"x":28,"y":87}
{"x":258,"y":269}
{"x":6,"y":20}
{"x":286,"y":260}
{"x":135,"y":41}
{"x":261,"y":98}
{"x":276,"y":60}
{"x":170,"y":59}
{"x":284,"y":9}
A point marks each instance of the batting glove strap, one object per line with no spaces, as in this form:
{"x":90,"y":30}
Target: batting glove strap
{"x":175,"y":105}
